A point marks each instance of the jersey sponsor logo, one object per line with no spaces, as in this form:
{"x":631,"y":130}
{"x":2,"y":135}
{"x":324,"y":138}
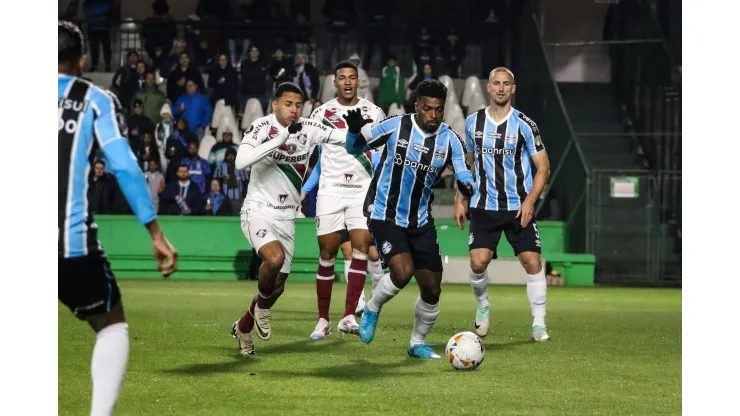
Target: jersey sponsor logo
{"x":493,"y":135}
{"x":282,"y":198}
{"x":495,"y":152}
{"x":399,"y":160}
{"x":280,"y":157}
{"x":478,"y":134}
{"x":67,"y":104}
{"x":420,"y":148}
{"x":348,"y":179}
{"x":257,"y":128}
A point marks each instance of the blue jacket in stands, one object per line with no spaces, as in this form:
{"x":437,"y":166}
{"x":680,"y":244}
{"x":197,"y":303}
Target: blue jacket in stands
{"x":200,"y":172}
{"x":198,"y":111}
{"x":193,"y":198}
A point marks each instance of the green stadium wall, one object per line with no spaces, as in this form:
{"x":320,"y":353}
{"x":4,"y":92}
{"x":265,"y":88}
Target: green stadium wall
{"x":214,"y":248}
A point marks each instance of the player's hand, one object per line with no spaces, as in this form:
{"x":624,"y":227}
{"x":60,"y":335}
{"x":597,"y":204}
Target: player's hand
{"x":526,"y":212}
{"x":465,"y":183}
{"x":295,"y":128}
{"x":303,"y":196}
{"x":355,"y":121}
{"x":163,"y":250}
{"x":460,"y":216}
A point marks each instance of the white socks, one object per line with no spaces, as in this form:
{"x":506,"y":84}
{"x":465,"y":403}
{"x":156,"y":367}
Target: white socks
{"x":426,"y":316}
{"x":109,"y":360}
{"x":479,"y":282}
{"x":375,"y":268}
{"x":346,"y":270}
{"x":537,"y":294}
{"x":384,"y":292}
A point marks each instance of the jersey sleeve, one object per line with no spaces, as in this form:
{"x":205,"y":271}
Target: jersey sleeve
{"x":255,"y":133}
{"x":379,"y":135}
{"x":457,"y":153}
{"x":316,"y":114}
{"x":379,"y":116}
{"x":121,"y":159}
{"x":470,"y":133}
{"x":319,"y":133}
{"x":531,"y":134}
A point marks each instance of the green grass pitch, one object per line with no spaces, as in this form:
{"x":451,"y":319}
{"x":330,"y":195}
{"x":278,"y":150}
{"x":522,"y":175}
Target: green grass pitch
{"x":613,"y":352}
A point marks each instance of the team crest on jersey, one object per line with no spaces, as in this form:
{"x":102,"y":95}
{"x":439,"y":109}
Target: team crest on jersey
{"x":470,"y":239}
{"x":348,"y":177}
{"x":317,"y":222}
{"x":291,"y":148}
{"x":301,"y":138}
{"x":440,"y":154}
{"x":386,"y":247}
{"x":334,"y":119}
{"x":511,"y":138}
{"x":283,"y":198}
{"x":273,"y":133}
{"x":261,"y":233}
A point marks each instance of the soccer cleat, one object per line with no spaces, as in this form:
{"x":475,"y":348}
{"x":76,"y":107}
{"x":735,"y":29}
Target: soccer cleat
{"x":246,"y":346}
{"x":539,"y":333}
{"x":263,"y":323}
{"x":348,"y":325}
{"x":422,"y":351}
{"x":481,"y":321}
{"x":367,"y":325}
{"x":323,"y":328}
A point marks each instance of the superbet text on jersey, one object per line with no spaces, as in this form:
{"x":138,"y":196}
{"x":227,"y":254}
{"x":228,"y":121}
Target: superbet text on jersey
{"x":343,"y":174}
{"x":276,"y":180}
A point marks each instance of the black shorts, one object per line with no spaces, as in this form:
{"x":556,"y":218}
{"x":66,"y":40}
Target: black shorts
{"x":344,"y":237}
{"x":421,"y":243}
{"x":486,"y":227}
{"x":87,"y":285}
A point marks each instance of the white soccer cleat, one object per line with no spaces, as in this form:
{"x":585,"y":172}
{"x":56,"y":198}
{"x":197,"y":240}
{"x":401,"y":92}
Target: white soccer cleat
{"x":246,"y":346}
{"x":482,"y":321}
{"x":323,"y":328}
{"x":349,"y":325}
{"x":539,"y":333}
{"x":263,"y":323}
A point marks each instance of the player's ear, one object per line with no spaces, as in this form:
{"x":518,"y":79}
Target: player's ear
{"x":81,"y":62}
{"x":513,"y":89}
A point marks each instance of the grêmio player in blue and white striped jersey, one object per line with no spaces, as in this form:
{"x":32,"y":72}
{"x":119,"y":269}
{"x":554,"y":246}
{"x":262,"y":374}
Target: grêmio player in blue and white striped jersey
{"x":503,"y":143}
{"x":418,"y":147}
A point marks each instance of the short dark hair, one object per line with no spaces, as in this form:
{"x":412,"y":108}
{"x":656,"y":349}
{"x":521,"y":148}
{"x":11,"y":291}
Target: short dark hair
{"x":184,"y":165}
{"x":288,"y":87}
{"x":71,"y":42}
{"x":345,"y":64}
{"x":431,"y":88}
{"x":100,"y":162}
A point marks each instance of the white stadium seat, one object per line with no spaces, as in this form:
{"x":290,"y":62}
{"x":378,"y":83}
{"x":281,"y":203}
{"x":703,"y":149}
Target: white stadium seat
{"x":252,"y":111}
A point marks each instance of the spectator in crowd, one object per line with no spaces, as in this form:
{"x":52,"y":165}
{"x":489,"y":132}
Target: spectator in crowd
{"x":133,"y":83}
{"x":306,"y":77}
{"x":213,"y":14}
{"x":377,"y":29}
{"x":181,"y":196}
{"x":218,"y":151}
{"x":391,"y":88}
{"x":200,"y":170}
{"x":300,"y":13}
{"x":254,"y":78}
{"x":423,"y":48}
{"x":176,"y":83}
{"x":363,"y":90}
{"x":224,"y":82}
{"x":102,"y":190}
{"x":148,"y":152}
{"x":158,"y":31}
{"x":453,"y":51}
{"x":172,"y":61}
{"x":427,"y":73}
{"x":155,"y":181}
{"x":234,"y":181}
{"x":195,"y":108}
{"x":162,"y":132}
{"x":152,"y":97}
{"x":216,"y":202}
{"x":99,"y":14}
{"x":70,"y":14}
{"x":138,"y":125}
{"x":177,"y":147}
{"x":123,"y":74}
{"x":279,"y":69}
{"x":339,"y":16}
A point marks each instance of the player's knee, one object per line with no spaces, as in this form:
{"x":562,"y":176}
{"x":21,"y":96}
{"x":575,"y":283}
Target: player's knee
{"x":478,"y":265}
{"x":401,"y":275}
{"x":530,"y":262}
{"x":100,"y":321}
{"x":431,"y":295}
{"x":274,"y":259}
{"x":327,"y":254}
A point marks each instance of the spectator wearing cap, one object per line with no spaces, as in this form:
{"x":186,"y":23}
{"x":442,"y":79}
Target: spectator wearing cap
{"x":224,"y":82}
{"x":163,"y":131}
{"x":138,"y":125}
{"x":218,"y":151}
{"x":177,"y":147}
{"x":177,"y":81}
{"x":152,"y":97}
{"x":195,"y":108}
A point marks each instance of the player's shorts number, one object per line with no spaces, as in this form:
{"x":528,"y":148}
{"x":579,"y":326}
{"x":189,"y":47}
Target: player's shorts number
{"x":70,"y":126}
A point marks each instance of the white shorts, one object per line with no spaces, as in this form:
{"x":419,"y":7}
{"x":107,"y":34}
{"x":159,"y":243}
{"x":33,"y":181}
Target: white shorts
{"x":336,"y":213}
{"x":261,"y":229}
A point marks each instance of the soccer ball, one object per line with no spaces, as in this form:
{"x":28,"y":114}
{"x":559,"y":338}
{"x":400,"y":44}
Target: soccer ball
{"x":465,"y":351}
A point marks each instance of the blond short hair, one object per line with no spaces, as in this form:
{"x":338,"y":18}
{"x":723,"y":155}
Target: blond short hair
{"x":501,"y":69}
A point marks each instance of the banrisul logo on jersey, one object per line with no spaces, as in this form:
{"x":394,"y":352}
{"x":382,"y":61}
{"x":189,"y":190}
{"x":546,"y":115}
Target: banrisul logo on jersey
{"x":400,"y":160}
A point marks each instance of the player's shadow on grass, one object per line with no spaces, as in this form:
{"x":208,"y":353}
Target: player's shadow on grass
{"x":358,"y":370}
{"x":297,"y":347}
{"x":235,"y":365}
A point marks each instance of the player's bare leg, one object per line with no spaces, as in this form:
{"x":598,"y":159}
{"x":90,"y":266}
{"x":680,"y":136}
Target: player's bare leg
{"x":536,"y":292}
{"x":426,"y":312}
{"x":328,"y":246}
{"x":480,"y":258}
{"x":109,"y":358}
{"x":242,"y":329}
{"x":402,"y":269}
{"x":360,"y":240}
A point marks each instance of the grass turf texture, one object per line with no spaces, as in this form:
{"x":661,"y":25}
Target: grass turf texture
{"x":613,"y":352}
